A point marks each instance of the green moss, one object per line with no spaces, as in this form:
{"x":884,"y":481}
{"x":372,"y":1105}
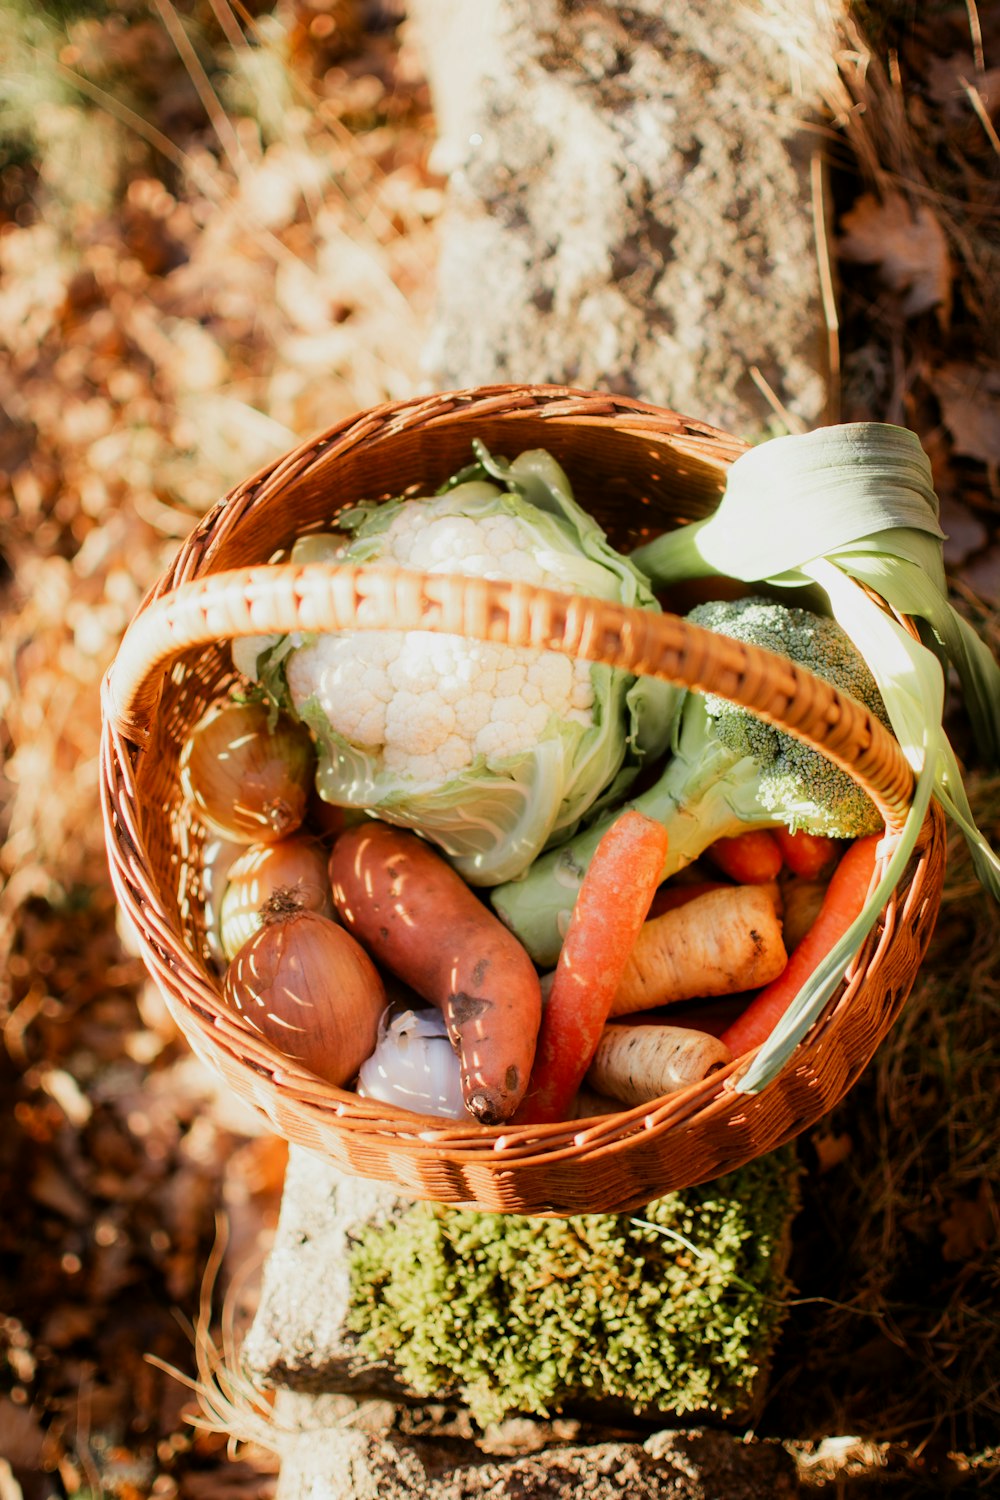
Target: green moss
{"x":677,"y":1308}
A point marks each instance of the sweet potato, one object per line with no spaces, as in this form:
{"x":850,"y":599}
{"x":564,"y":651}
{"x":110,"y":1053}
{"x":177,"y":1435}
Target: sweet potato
{"x":419,"y":919}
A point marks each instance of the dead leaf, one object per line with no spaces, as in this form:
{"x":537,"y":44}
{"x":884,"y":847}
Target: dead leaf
{"x":21,"y":1435}
{"x":908,"y":246}
{"x":970,"y":1225}
{"x":831,"y":1150}
{"x":950,"y":80}
{"x":965,"y":533}
{"x":970,"y":404}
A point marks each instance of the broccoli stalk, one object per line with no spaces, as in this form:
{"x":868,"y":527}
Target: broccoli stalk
{"x":728,"y":772}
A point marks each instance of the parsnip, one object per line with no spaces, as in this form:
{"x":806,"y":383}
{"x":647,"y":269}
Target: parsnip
{"x":721,"y":943}
{"x":638,"y":1063}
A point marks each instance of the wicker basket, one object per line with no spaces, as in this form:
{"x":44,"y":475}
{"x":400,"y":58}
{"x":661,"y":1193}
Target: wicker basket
{"x":640,"y":470}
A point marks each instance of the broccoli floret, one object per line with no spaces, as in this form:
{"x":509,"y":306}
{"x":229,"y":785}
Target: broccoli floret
{"x":795,"y":783}
{"x":728,"y":771}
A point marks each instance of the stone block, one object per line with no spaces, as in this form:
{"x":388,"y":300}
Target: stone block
{"x":629,"y":202}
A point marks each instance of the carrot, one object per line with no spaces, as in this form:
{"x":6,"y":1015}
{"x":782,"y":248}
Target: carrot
{"x":610,"y":907}
{"x":845,"y":897}
{"x":672,"y":894}
{"x":718,"y":944}
{"x":750,"y":858}
{"x":806,"y":854}
{"x":638,"y":1063}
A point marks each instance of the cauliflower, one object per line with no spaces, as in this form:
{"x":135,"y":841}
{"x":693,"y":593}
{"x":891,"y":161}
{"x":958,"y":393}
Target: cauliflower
{"x":491,"y":751}
{"x":432,"y":704}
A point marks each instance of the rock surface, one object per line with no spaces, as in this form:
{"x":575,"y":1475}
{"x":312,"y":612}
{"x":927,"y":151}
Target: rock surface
{"x":348,"y":1462}
{"x":297,"y":1339}
{"x":629,"y":202}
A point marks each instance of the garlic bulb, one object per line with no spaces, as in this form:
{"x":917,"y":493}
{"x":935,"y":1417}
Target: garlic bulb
{"x":249,"y":781}
{"x":414,"y":1066}
{"x":295,"y":866}
{"x":310,"y":988}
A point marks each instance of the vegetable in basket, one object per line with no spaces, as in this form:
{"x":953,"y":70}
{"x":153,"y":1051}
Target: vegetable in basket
{"x":614,"y":898}
{"x":856,"y":502}
{"x":414,"y":1065}
{"x":638,"y":1064}
{"x":834,"y":508}
{"x":491,"y":751}
{"x":419,"y":920}
{"x":843,"y":901}
{"x":308,"y":988}
{"x":721,"y":942}
{"x":248,"y":777}
{"x":728,"y":771}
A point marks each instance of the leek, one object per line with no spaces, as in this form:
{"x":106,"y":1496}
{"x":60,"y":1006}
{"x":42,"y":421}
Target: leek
{"x":822,"y":508}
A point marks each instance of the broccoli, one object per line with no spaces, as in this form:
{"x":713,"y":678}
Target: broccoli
{"x":728,"y":771}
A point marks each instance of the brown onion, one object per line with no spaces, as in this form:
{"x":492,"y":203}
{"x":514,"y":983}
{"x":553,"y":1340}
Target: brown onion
{"x":310,"y":988}
{"x":250,"y":782}
{"x":295,"y":868}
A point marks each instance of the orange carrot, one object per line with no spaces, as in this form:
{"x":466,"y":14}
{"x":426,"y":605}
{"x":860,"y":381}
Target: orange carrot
{"x":749,"y":858}
{"x":670,"y":895}
{"x":806,"y":854}
{"x":610,"y":908}
{"x":845,"y":897}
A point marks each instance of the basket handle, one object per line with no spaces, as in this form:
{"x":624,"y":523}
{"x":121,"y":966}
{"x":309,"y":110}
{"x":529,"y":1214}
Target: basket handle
{"x":281,"y":598}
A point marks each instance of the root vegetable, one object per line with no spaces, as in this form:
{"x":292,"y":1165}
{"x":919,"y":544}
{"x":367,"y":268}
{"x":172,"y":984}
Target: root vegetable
{"x":844,"y":899}
{"x":749,"y":858}
{"x":420,"y":920}
{"x":610,"y":909}
{"x":639,"y":1063}
{"x":721,"y":943}
{"x":806,"y":854}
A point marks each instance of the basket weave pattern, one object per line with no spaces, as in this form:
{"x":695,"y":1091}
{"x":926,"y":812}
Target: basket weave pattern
{"x":639,"y":470}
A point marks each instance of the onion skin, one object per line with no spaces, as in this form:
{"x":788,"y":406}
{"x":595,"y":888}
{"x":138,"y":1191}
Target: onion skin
{"x":249,"y":782}
{"x":311,"y":990}
{"x":295,"y":866}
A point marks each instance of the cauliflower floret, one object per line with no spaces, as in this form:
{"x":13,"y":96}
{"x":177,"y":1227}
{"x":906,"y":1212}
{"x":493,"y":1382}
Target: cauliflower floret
{"x":432,"y":704}
{"x":350,"y":670}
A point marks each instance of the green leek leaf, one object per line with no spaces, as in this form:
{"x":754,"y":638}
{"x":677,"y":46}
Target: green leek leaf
{"x":862,"y":495}
{"x":805,"y":496}
{"x":859,"y":497}
{"x":911,"y":682}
